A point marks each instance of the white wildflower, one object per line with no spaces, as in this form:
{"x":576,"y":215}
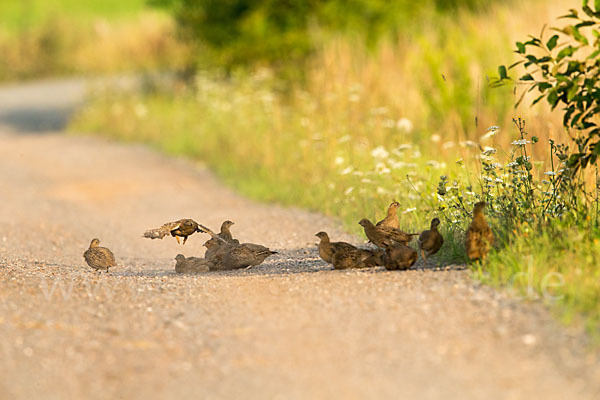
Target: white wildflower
{"x":512,"y":164}
{"x":366,"y":180}
{"x":521,"y":142}
{"x":409,"y":210}
{"x":358,"y":173}
{"x":304,"y":122}
{"x":491,"y":131}
{"x":550,"y":173}
{"x":380,"y":152}
{"x":381,"y":191}
{"x":447,"y":145}
{"x":381,"y":168}
{"x":404,"y":124}
{"x":346,"y":170}
{"x":436,"y":138}
{"x":488,"y":151}
{"x":344,"y":139}
{"x":348,"y":191}
{"x":338,"y":160}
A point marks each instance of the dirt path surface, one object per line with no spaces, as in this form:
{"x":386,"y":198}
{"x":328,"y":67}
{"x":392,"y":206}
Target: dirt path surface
{"x":289,"y":329}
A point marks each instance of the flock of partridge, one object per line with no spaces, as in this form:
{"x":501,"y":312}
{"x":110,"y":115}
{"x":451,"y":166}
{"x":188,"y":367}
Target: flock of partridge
{"x":392,"y":251}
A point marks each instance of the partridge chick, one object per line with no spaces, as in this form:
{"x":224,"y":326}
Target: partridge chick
{"x":191,"y":265}
{"x":480,"y":237}
{"x":399,"y":257}
{"x":391,"y":219}
{"x":181,"y":228}
{"x":430,"y":241}
{"x":99,"y":258}
{"x":326,"y":246}
{"x":383,"y":236}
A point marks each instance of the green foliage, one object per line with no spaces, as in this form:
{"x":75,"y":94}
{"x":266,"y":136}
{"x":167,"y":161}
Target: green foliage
{"x":283,"y":33}
{"x":25,"y":15}
{"x":565,"y":70}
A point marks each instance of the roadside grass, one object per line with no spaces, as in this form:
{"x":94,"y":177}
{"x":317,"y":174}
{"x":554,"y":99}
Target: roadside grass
{"x":60,"y":37}
{"x":372,"y":126}
{"x":558,"y":267}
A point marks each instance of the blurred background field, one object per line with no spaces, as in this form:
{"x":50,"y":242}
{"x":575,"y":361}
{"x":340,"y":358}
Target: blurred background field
{"x":334,"y":106}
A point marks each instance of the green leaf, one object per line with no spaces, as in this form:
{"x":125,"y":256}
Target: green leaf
{"x":521,"y":47}
{"x":502,"y":72}
{"x":572,"y":14}
{"x":527,"y":77}
{"x":597,"y":5}
{"x":551,"y":44}
{"x":511,"y":66}
{"x":593,"y":55}
{"x":572,"y":92}
{"x":538,"y":100}
{"x":579,"y":36}
{"x":542,"y":86}
{"x":553,"y":98}
{"x":566,"y":52}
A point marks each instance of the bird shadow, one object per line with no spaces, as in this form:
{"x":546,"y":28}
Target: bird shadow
{"x":286,"y":262}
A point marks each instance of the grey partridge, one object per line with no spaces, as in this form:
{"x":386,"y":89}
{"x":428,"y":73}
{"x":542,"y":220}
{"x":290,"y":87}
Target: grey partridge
{"x":99,"y":258}
{"x":399,"y":257}
{"x":326,"y":246}
{"x":181,"y":228}
{"x":225,"y":236}
{"x":346,"y":258}
{"x":391,"y":219}
{"x":480,"y":237}
{"x":235,"y":256}
{"x":191,"y":265}
{"x":383,"y":236}
{"x":430,"y":241}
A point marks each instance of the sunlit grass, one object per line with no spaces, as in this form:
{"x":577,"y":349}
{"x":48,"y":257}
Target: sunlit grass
{"x":41,"y":39}
{"x":17,"y":16}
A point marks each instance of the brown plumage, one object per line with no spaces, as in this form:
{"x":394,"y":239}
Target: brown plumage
{"x":399,"y":257}
{"x":346,"y":257}
{"x":234,"y":256}
{"x":213,"y":243}
{"x":480,"y":237}
{"x":326,"y":246}
{"x":383,"y":236}
{"x":191,"y":265}
{"x":391,"y":219}
{"x":430,"y":241}
{"x":99,"y":258}
{"x":181,"y":228}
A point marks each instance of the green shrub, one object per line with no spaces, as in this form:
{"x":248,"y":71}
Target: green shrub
{"x":565,"y":70}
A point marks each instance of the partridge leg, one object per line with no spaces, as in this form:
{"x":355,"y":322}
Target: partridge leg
{"x":177,"y":238}
{"x":184,"y":239}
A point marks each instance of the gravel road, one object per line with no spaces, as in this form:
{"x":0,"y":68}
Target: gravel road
{"x":288,"y":329}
